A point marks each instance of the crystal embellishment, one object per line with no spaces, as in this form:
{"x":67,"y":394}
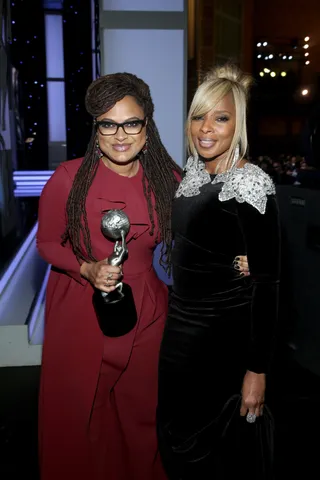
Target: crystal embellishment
{"x":195,"y":177}
{"x":248,"y":184}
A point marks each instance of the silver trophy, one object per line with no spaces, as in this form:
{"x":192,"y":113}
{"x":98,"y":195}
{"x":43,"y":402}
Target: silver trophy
{"x":115,"y":225}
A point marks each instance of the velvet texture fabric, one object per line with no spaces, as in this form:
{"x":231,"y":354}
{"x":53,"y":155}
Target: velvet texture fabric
{"x":220,"y":324}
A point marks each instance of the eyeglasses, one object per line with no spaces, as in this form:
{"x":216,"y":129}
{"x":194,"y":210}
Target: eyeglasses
{"x":134,"y":127}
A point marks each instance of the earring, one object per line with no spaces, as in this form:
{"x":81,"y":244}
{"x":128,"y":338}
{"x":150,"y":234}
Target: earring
{"x":236,"y":156}
{"x":145,"y":146}
{"x":98,"y":150}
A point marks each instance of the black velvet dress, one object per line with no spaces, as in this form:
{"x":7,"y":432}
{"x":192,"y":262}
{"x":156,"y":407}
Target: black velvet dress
{"x":219,"y":325}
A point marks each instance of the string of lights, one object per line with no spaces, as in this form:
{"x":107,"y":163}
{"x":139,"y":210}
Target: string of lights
{"x":276,"y":60}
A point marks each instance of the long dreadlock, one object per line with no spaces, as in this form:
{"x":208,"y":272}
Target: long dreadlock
{"x":158,"y":166}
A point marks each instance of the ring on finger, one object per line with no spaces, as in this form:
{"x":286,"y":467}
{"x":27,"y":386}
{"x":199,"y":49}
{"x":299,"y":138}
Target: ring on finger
{"x":251,"y":417}
{"x":109,"y":276}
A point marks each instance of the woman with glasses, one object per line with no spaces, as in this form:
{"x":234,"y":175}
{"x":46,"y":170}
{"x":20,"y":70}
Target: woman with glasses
{"x":98,"y":393}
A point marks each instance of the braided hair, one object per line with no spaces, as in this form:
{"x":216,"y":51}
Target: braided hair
{"x":158,"y":166}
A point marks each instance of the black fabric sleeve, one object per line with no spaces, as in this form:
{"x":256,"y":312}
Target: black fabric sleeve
{"x":262,"y":238}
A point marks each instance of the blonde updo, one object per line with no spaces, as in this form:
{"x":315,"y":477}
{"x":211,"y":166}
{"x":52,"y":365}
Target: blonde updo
{"x":231,"y":73}
{"x":217,"y":83}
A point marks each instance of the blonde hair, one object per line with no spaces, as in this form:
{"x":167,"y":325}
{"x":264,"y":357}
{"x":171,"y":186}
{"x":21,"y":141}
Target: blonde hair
{"x":216,"y":85}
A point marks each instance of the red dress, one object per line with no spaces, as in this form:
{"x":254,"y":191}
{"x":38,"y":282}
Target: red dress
{"x":98,"y":396}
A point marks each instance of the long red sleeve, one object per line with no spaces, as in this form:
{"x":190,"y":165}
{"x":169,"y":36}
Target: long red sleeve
{"x":52,"y":224}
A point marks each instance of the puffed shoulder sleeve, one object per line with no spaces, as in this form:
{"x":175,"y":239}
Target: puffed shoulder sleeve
{"x":259,"y":220}
{"x":52,"y":224}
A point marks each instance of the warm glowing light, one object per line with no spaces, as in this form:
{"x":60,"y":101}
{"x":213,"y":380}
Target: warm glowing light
{"x":306,"y":54}
{"x":273,"y":74}
{"x":305,"y":92}
{"x":306,"y":39}
{"x":266,"y":70}
{"x":283,"y":74}
{"x":261,"y":74}
{"x":306,"y":46}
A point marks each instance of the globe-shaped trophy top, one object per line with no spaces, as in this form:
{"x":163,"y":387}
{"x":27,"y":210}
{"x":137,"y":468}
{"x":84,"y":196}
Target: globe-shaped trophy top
{"x":113,"y":223}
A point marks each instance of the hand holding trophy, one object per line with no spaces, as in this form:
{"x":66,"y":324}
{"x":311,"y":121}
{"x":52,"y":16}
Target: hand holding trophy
{"x":116,"y":310}
{"x":115,"y":225}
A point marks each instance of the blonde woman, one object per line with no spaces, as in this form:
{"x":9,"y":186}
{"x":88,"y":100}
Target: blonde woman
{"x":219,"y":334}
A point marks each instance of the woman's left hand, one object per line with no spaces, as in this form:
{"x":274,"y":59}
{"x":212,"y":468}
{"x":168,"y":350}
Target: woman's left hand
{"x":240,"y":263}
{"x":253,"y":390}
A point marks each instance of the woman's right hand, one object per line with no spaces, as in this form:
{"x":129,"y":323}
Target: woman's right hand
{"x":101,"y":275}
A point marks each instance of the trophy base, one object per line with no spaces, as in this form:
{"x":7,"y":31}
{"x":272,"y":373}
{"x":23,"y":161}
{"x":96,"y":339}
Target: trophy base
{"x":116,"y":312}
{"x":113,"y":297}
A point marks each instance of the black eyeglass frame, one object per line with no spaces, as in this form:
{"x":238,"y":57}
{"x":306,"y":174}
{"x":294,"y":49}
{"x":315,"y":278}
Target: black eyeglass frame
{"x":142,"y":123}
